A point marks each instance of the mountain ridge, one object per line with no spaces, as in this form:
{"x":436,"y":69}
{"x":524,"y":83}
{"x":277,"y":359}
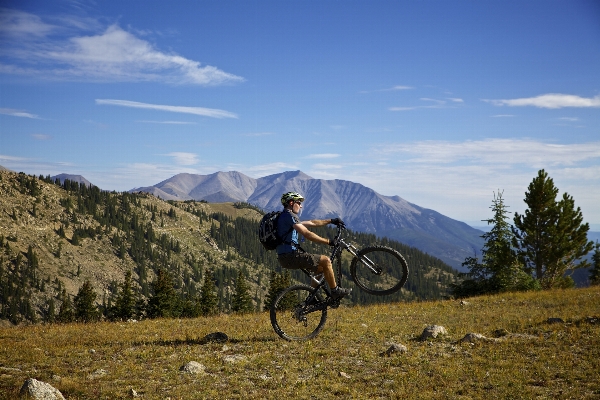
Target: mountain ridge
{"x":362,"y":208}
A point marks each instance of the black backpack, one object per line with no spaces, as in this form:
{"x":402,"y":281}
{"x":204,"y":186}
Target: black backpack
{"x":267,"y":231}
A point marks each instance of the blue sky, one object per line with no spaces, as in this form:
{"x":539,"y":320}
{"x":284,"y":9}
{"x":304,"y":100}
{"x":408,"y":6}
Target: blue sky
{"x":439,"y":102}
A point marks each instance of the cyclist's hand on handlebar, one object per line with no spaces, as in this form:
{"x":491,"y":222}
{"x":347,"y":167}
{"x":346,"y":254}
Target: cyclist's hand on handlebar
{"x":332,"y":242}
{"x":338,"y":222}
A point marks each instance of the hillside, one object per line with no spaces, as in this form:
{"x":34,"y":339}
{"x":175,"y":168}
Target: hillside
{"x":55,"y":236}
{"x":534,"y":345}
{"x":362,"y":208}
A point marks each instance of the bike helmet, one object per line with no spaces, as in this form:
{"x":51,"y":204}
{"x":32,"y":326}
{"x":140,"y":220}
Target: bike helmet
{"x":286,"y":197}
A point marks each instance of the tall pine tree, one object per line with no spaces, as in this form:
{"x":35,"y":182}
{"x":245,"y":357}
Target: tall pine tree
{"x":208,"y":296}
{"x":124,"y":307}
{"x":241,"y":301}
{"x":550,"y":236}
{"x":164,"y":300}
{"x":85,"y":303}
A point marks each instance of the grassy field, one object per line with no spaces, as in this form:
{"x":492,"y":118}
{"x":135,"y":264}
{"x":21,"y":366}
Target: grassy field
{"x":108,"y":360}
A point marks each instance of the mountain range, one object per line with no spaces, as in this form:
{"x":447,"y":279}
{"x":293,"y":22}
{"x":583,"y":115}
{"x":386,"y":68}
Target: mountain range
{"x":362,"y":208}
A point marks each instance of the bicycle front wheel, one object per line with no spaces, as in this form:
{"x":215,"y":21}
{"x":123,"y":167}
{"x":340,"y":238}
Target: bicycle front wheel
{"x":298,"y":313}
{"x":379,"y":270}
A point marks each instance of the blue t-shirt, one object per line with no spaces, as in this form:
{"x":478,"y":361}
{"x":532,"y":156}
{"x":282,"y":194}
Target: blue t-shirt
{"x":287,"y":220}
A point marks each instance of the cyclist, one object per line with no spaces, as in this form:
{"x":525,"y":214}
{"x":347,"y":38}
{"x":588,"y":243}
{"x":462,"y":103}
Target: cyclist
{"x":291,"y":255}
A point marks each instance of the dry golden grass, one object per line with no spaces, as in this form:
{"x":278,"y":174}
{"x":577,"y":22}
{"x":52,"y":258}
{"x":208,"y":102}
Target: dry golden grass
{"x":561,"y":360}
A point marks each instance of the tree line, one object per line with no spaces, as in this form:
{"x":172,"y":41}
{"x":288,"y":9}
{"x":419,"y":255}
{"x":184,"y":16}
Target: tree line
{"x":538,"y":251}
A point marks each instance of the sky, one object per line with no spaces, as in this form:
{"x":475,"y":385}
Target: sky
{"x":443,"y":103}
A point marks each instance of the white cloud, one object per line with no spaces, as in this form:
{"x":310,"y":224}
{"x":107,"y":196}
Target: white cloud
{"x":21,"y":24}
{"x":169,"y":122}
{"x":502,"y":116}
{"x":391,"y":89}
{"x":206,"y":112}
{"x":493,"y":151}
{"x":41,"y":136}
{"x":326,"y":167}
{"x":323,"y":155}
{"x":182,"y":158}
{"x":17,"y":113}
{"x":113,"y":55}
{"x":552,"y":100}
{"x":456,"y":100}
{"x":572,"y":119}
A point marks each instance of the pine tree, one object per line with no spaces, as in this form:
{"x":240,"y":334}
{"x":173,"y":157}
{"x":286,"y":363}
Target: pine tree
{"x":65,"y":312}
{"x":51,"y":314}
{"x":164,"y":301}
{"x":124,"y":307}
{"x":85,"y":304}
{"x":550,"y":236}
{"x":208,"y":298}
{"x":241,"y":301}
{"x":595,"y":271}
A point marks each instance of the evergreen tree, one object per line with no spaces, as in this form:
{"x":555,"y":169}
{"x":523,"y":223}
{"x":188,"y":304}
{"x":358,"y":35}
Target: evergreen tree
{"x":595,"y":271}
{"x":85,"y":304}
{"x":550,"y":236}
{"x":51,"y":314}
{"x":208,"y":297}
{"x":164,"y":301}
{"x":241,"y":301}
{"x":277,"y":284}
{"x":124,"y":307}
{"x":65,"y":312}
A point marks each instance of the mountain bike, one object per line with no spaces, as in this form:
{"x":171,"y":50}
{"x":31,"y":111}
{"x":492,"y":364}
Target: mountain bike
{"x":299,"y":312}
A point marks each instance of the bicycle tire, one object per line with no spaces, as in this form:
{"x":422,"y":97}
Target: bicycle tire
{"x":392,"y":267}
{"x":292,"y":319}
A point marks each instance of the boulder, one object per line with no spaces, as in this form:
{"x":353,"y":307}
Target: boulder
{"x":394,"y":348}
{"x":433,"y":331}
{"x":218,"y":337}
{"x":192,"y":367}
{"x":32,"y":388}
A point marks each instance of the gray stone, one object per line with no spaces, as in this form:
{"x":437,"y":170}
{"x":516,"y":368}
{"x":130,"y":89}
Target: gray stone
{"x":433,"y":331}
{"x":39,"y":390}
{"x":192,"y":367}
{"x":394,"y":348}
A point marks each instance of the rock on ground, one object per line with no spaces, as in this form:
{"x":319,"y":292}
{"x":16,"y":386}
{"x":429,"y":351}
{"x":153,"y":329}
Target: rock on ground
{"x":40,"y":390}
{"x":432,"y":331}
{"x":192,"y":367}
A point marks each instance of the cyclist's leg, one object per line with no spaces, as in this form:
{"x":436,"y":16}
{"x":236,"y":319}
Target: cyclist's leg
{"x":326,"y":269}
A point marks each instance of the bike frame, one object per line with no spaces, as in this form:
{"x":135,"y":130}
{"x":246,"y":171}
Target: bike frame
{"x":318,"y":280}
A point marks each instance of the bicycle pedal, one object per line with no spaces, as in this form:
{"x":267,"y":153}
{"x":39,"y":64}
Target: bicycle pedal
{"x":334,"y":303}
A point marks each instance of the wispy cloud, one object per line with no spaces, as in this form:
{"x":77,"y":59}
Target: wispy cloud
{"x":17,"y":113}
{"x":112,"y":55}
{"x":494,"y":151}
{"x":391,"y":89}
{"x":552,"y":100}
{"x":41,"y":136}
{"x":503,"y":116}
{"x":205,"y":112}
{"x":169,"y":122}
{"x":571,"y":119}
{"x":182,"y":158}
{"x":437,"y":104}
{"x":21,"y":24}
{"x":323,"y":155}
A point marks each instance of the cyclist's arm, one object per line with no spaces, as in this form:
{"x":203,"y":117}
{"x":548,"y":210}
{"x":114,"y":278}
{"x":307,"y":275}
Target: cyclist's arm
{"x":313,"y":237}
{"x":316,"y":222}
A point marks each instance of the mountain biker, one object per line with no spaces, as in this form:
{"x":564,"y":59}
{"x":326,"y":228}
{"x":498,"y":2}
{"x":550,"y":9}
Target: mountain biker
{"x":291,"y":255}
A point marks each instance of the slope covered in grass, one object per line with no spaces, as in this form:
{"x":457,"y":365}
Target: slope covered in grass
{"x":526,"y":356}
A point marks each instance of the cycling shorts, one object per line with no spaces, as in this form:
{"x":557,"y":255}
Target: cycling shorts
{"x":298,"y":260}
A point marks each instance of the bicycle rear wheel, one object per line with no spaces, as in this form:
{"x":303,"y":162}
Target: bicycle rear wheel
{"x":293,"y":319}
{"x":379,"y":270}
